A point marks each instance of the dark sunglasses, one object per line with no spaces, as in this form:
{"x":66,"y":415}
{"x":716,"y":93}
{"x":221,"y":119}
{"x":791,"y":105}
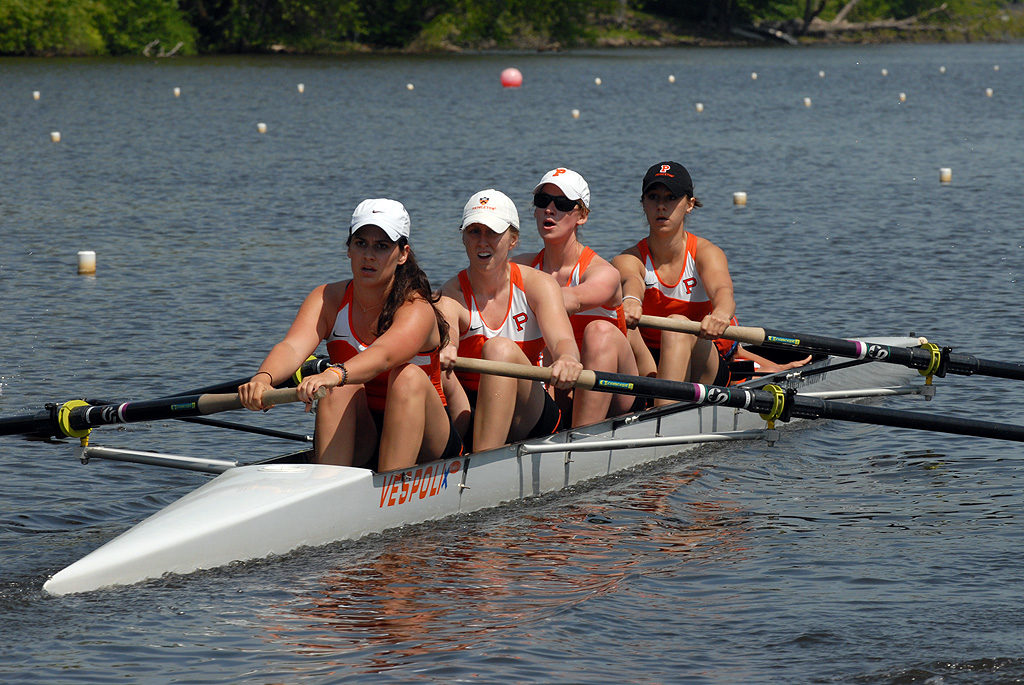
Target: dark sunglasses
{"x":562,"y":203}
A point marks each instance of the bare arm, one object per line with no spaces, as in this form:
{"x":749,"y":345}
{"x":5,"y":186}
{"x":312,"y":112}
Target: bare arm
{"x":412,"y":330}
{"x":600,"y":285}
{"x":457,"y":315}
{"x":544,"y":297}
{"x":713,"y":269}
{"x":303,"y":337}
{"x":631,"y":274}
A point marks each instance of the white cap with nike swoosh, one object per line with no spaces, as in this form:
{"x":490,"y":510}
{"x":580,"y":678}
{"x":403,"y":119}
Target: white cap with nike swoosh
{"x":389,"y":215}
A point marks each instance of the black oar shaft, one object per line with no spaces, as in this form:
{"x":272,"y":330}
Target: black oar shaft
{"x":761,"y":401}
{"x":912,"y":357}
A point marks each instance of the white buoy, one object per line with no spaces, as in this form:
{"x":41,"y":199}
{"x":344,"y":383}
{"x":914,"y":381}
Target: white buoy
{"x":995,"y":67}
{"x":903,"y":97}
{"x":753,"y":75}
{"x":988,"y":92}
{"x":86,"y":262}
{"x":885,"y":72}
{"x":739,"y":198}
{"x":821,"y":74}
{"x":575,"y":114}
{"x":597,"y":81}
{"x":671,"y":78}
{"x":301,"y":87}
{"x":945,"y":175}
{"x":55,"y":136}
{"x":409,"y":86}
{"x":261,"y":127}
{"x":177,"y":92}
{"x":699,"y":107}
{"x":35,"y":94}
{"x":807,"y":102}
{"x":942,"y":69}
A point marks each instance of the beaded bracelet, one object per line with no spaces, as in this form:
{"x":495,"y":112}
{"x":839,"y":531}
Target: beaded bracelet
{"x":341,"y":371}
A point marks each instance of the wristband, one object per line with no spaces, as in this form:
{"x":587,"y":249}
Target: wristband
{"x":633,"y":297}
{"x":341,"y":371}
{"x":266,"y":372}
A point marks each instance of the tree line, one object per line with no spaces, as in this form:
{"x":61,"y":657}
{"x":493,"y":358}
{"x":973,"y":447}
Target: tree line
{"x":164,"y":27}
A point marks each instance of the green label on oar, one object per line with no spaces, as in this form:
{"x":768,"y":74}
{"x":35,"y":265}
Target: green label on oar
{"x":622,"y":385}
{"x":782,"y":341}
{"x":183,"y":407}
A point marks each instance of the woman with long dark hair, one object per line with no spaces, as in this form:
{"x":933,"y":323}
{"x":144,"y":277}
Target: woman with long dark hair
{"x":383,"y":334}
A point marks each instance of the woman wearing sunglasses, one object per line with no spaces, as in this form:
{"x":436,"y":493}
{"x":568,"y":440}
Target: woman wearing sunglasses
{"x":384,"y":335}
{"x":676,"y":274}
{"x":507,"y":313}
{"x":590,"y":289}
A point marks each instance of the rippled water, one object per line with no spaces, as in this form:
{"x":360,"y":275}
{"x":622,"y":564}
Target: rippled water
{"x":845,"y":553}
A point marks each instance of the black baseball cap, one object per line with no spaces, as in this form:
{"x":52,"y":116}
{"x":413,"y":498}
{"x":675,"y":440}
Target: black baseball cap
{"x":672,"y":175}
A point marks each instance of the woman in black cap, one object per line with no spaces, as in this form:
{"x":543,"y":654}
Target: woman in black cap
{"x":676,"y":274}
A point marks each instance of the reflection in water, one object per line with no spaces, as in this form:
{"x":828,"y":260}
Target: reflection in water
{"x":431,"y":592}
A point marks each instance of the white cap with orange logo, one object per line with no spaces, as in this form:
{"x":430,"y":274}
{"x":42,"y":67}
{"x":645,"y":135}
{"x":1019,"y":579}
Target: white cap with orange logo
{"x":569,"y":182}
{"x":493,"y":209}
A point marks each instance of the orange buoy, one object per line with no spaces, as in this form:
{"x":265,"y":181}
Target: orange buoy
{"x":511,"y":78}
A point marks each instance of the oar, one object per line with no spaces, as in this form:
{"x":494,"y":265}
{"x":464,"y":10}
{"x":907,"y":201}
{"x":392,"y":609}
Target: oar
{"x":772,"y":405}
{"x":76,"y":418}
{"x":930,"y":359}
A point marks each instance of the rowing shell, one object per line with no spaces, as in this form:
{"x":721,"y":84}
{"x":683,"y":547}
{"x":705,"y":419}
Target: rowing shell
{"x":251,"y":512}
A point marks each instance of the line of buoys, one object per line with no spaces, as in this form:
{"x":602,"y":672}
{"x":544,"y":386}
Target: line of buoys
{"x":261,"y":127}
{"x":86,"y":262}
{"x":945,"y":175}
{"x":511,"y":78}
{"x":55,"y":136}
{"x":739,"y":198}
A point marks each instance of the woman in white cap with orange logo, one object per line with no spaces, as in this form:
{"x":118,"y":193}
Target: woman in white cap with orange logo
{"x":590,"y":289}
{"x":508,"y":313}
{"x":384,"y":335}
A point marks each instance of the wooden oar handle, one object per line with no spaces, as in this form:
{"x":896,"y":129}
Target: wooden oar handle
{"x":213,"y":403}
{"x":744,"y":334}
{"x":527,"y":372}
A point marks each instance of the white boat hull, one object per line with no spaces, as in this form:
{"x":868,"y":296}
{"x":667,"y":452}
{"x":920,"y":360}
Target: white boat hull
{"x":251,"y":512}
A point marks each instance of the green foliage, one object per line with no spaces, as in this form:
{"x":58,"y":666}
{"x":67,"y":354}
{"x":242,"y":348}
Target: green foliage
{"x":91,"y":27}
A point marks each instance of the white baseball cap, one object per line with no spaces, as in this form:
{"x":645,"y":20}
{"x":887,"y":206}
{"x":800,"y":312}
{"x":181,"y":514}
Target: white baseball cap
{"x":569,"y":182}
{"x":389,"y":215}
{"x":493,"y":209}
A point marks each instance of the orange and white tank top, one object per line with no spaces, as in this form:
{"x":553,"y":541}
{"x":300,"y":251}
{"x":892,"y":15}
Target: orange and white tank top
{"x":343,"y":344}
{"x":519,"y":325}
{"x":686,"y":296}
{"x":579,"y":320}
